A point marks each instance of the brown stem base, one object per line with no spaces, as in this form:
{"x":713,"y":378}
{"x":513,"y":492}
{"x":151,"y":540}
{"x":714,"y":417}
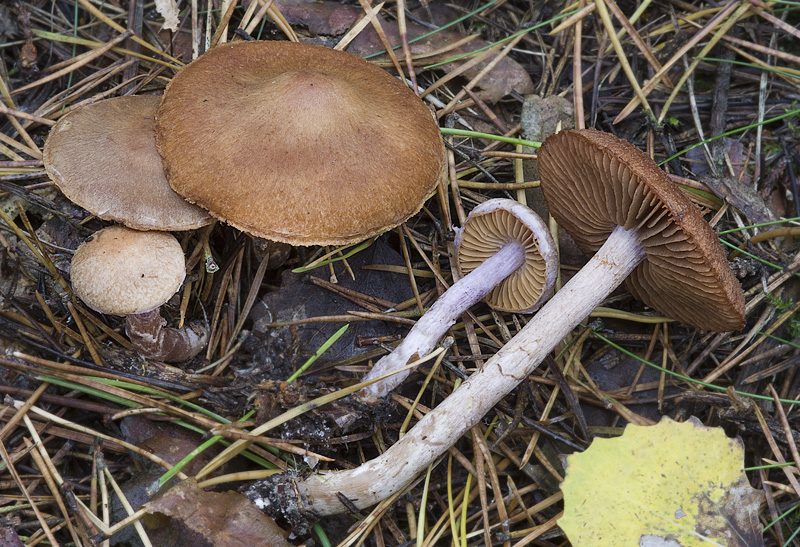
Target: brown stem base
{"x":152,"y":340}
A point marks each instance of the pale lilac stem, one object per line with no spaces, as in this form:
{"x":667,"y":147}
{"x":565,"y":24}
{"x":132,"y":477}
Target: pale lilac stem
{"x":432,"y":326}
{"x":379,"y":478}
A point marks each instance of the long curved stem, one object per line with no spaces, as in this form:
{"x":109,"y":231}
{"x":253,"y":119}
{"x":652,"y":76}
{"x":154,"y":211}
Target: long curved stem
{"x":442,"y":427}
{"x":432,"y":326}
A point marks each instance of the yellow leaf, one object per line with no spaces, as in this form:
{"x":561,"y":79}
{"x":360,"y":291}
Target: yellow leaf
{"x":669,"y":485}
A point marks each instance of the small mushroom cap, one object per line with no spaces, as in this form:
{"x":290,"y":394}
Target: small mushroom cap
{"x":103,"y":157}
{"x":298,"y":143}
{"x":593,"y":181}
{"x":120,"y":271}
{"x":491,"y":225}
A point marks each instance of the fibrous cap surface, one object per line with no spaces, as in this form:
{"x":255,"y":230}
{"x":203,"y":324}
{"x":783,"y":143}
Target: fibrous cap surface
{"x":298,"y":143}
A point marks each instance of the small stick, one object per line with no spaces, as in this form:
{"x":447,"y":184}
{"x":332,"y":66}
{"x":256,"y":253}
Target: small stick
{"x":25,"y":116}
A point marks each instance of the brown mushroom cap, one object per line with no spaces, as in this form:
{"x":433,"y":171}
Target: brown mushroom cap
{"x":298,"y":143}
{"x":593,"y":181}
{"x":488,"y":228}
{"x":103,"y":157}
{"x":121,"y":271}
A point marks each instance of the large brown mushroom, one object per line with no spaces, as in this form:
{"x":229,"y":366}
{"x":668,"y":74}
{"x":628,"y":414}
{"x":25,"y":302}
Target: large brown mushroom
{"x":103,"y":157}
{"x":298,"y":143}
{"x":120,"y":271}
{"x":615,"y":188}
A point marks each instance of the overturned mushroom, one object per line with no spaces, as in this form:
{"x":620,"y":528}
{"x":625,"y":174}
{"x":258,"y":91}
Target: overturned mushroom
{"x":618,"y":190}
{"x":605,"y":192}
{"x":119,"y":271}
{"x":508,"y":257}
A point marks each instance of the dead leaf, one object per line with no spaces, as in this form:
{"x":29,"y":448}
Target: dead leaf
{"x":669,"y":485}
{"x":169,"y":11}
{"x":506,"y":77}
{"x":327,"y":18}
{"x":167,"y":440}
{"x":220,"y":519}
{"x":299,"y":298}
{"x":9,"y":537}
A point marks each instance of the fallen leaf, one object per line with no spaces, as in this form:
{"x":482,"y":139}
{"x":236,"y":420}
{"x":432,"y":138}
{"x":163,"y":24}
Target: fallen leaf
{"x":169,"y":11}
{"x":171,"y":443}
{"x":9,"y":537}
{"x":328,"y":18}
{"x":166,"y":440}
{"x":669,"y":485}
{"x":506,"y":77}
{"x":220,"y":519}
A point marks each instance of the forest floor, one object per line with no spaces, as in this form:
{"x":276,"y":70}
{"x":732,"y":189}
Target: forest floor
{"x":708,"y":90}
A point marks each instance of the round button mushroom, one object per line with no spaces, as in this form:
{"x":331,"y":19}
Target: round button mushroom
{"x":508,"y":257}
{"x":298,"y":143}
{"x":119,"y":271}
{"x":103,"y":157}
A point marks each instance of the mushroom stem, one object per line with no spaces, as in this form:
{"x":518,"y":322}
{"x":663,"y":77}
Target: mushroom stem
{"x":152,"y":340}
{"x":433,"y":325}
{"x":377,"y":479}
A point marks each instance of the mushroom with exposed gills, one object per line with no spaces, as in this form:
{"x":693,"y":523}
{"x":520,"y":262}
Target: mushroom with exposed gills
{"x":609,"y":195}
{"x":597,"y":186}
{"x":506,"y":254}
{"x":103,"y":157}
{"x":120,"y":271}
{"x":298,"y":143}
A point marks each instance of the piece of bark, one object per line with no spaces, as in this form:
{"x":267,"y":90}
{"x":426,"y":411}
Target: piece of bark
{"x":540,"y":118}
